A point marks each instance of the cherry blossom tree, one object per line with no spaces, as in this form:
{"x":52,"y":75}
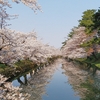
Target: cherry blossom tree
{"x":4,"y":16}
{"x":15,"y":46}
{"x":19,"y":46}
{"x":8,"y":92}
{"x":30,"y":3}
{"x":72,"y":48}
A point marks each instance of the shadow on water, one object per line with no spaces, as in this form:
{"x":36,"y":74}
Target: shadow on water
{"x":61,"y":80}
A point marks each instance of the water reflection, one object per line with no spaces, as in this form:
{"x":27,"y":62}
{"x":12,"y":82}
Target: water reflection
{"x":25,"y":80}
{"x":49,"y":83}
{"x":85,"y":84}
{"x":36,"y":85}
{"x":92,"y":84}
{"x":76,"y":77}
{"x":61,"y":81}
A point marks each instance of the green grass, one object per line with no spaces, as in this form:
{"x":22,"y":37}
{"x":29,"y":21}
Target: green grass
{"x":97,"y":65}
{"x":23,"y":63}
{"x":21,"y":67}
{"x":81,"y":59}
{"x":3,"y":67}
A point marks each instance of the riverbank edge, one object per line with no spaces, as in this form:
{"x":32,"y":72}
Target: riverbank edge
{"x":89,"y":63}
{"x":21,"y":67}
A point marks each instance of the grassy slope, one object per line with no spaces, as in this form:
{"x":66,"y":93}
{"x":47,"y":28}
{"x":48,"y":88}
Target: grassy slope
{"x":22,"y":67}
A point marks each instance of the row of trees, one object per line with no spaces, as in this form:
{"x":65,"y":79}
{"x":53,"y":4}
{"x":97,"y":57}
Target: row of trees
{"x":72,"y":48}
{"x":90,"y":20}
{"x":85,"y":43}
{"x":15,"y":45}
{"x":19,"y":46}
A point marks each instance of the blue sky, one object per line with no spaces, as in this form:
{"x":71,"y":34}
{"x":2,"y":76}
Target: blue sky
{"x":56,"y":20}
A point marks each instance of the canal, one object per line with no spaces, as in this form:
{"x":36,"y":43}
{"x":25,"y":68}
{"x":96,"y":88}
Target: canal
{"x":61,"y":80}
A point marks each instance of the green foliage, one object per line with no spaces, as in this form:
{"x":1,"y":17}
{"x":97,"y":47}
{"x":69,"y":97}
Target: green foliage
{"x":64,"y":43}
{"x":72,"y":32}
{"x":91,"y":42}
{"x":69,"y":35}
{"x":91,"y":60}
{"x":24,"y":63}
{"x":87,"y":20}
{"x":81,"y":59}
{"x":97,"y":19}
{"x":93,"y":91}
{"x":90,"y":20}
{"x":98,"y":65}
{"x":86,"y":44}
{"x":18,"y":68}
{"x":3,"y":65}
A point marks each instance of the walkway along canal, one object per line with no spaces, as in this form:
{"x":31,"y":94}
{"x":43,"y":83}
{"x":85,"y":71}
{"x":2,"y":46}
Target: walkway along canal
{"x":61,"y":80}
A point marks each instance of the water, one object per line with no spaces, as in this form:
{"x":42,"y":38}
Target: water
{"x":59,"y":81}
{"x":59,"y":89}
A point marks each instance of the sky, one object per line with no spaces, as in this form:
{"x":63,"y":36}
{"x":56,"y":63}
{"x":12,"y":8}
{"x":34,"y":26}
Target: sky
{"x":55,"y":22}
